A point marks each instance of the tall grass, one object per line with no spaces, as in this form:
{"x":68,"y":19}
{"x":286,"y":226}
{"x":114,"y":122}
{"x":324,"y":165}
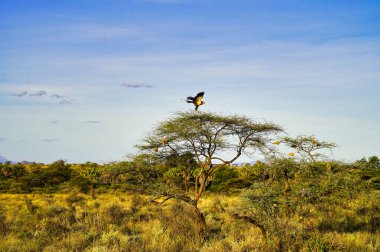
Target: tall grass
{"x":130,"y":222}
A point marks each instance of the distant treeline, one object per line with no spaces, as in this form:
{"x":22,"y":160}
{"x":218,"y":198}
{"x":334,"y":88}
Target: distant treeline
{"x":136,"y":176}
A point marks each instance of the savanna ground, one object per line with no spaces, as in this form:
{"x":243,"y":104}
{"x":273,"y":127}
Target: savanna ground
{"x":130,"y":222}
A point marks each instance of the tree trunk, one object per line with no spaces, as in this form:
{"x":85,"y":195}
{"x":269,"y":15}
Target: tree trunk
{"x":201,"y":221}
{"x":254,"y":222}
{"x":311,"y":157}
{"x":196,"y":186}
{"x":198,"y":214}
{"x":186,"y":181}
{"x":201,"y":189}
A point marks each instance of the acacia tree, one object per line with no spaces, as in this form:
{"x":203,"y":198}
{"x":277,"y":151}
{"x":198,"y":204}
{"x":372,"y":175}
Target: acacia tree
{"x":208,"y":137}
{"x":308,"y":146}
{"x":92,"y":172}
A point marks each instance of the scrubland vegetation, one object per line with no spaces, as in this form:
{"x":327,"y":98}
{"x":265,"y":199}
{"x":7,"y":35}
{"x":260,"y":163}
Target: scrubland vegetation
{"x":173,"y":196}
{"x":330,"y":206}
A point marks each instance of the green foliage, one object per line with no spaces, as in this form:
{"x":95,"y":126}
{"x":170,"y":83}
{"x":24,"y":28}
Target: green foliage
{"x":370,"y":170}
{"x":204,"y":134}
{"x":180,"y":170}
{"x":225,"y":177}
{"x":258,"y":170}
{"x":11,"y":171}
{"x":112,"y":173}
{"x":92,"y":172}
{"x":144,"y":171}
{"x":38,"y":178}
{"x":77,"y":181}
{"x":285,"y":167}
{"x":318,"y":190}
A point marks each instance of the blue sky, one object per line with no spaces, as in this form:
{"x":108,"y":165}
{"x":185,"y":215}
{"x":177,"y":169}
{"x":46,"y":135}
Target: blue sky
{"x":84,"y":80}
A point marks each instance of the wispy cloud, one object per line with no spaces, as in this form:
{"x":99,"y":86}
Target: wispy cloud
{"x":38,"y":93}
{"x":93,"y":122}
{"x":20,"y":93}
{"x":65,"y":101}
{"x":2,"y":139}
{"x":50,"y":140}
{"x":57,"y":96}
{"x":136,"y":85}
{"x":54,"y":122}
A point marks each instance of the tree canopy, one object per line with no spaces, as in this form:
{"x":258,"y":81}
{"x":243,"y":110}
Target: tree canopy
{"x":308,"y":146}
{"x":207,"y":136}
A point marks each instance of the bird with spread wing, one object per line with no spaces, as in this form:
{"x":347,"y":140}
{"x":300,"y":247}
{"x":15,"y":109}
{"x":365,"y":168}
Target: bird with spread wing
{"x":197,"y":100}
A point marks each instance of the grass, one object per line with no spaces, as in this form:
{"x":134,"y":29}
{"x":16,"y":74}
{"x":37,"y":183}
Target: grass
{"x":130,"y":222}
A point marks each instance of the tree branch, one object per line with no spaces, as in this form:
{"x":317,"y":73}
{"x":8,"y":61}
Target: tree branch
{"x":254,"y":222}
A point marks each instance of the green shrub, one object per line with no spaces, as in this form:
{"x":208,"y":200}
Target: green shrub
{"x":83,"y":184}
{"x":223,"y":179}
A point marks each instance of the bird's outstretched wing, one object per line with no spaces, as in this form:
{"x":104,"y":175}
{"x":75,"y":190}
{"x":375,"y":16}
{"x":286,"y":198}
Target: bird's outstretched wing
{"x":198,"y":98}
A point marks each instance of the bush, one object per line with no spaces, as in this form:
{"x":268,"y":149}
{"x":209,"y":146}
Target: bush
{"x":223,"y":179}
{"x":83,"y":184}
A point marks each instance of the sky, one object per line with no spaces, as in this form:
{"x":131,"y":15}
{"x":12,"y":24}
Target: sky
{"x":85,"y":80}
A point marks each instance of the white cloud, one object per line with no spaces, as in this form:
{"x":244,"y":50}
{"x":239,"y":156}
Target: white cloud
{"x":136,"y":85}
{"x":38,"y":93}
{"x":20,"y":93}
{"x":57,"y":96}
{"x":65,"y":101}
{"x":50,"y":140}
{"x":93,"y":122}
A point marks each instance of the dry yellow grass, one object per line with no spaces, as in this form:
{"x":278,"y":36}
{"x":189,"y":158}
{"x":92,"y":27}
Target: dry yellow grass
{"x":130,"y":222}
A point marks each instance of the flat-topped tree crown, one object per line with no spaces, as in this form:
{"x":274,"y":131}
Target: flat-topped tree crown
{"x":208,"y":136}
{"x":308,"y":146}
